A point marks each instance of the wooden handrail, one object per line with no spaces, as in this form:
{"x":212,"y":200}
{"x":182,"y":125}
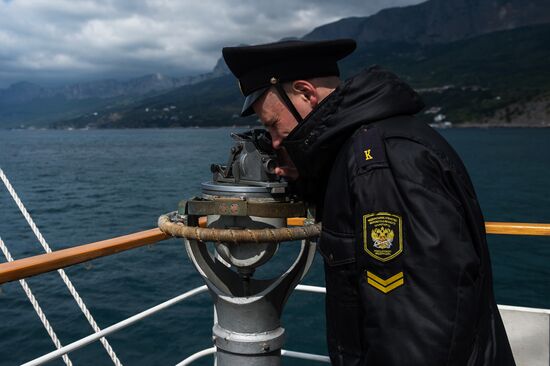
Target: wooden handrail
{"x":517,"y":228}
{"x":31,"y":266}
{"x":502,"y":228}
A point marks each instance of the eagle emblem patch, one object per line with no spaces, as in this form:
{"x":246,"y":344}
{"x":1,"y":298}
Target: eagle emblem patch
{"x":383,"y":235}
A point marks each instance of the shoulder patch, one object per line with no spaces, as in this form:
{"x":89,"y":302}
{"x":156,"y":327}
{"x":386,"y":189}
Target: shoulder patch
{"x":382,"y":235}
{"x":369,"y":149}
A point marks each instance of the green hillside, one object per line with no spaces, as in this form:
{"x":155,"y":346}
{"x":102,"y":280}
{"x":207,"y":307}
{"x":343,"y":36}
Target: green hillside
{"x":213,"y":102}
{"x":488,"y":73}
{"x":469,"y":81}
{"x":42,"y":111}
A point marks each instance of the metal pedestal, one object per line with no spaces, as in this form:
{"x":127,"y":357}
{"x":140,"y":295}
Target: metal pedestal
{"x":247,"y":329}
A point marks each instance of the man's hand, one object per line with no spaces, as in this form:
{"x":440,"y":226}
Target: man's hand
{"x":285,"y":166}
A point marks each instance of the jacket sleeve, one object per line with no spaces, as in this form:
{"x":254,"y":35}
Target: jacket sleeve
{"x":417,"y":265}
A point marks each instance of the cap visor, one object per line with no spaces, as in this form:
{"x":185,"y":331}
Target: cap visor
{"x":250,"y":99}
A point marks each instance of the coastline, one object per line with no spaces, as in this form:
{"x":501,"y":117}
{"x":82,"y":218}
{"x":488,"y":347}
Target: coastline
{"x":488,"y":124}
{"x":500,"y":125}
{"x":455,"y":126}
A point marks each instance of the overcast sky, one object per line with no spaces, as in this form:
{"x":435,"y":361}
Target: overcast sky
{"x":53,"y":41}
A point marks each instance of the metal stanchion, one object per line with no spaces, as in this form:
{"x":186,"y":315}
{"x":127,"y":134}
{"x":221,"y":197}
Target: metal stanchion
{"x":247,"y":207}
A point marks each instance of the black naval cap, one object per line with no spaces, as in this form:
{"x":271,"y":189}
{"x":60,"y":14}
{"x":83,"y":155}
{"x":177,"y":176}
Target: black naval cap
{"x":261,"y":66}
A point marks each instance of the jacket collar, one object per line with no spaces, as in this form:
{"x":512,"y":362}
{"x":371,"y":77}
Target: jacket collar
{"x":372,"y":95}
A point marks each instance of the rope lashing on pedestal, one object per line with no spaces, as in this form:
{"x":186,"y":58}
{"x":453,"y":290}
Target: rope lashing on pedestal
{"x":173,"y":225}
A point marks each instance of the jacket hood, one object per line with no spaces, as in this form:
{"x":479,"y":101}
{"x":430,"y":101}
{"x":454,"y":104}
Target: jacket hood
{"x":373,"y":95}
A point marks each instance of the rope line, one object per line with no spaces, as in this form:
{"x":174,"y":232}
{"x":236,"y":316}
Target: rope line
{"x":171,"y":225}
{"x":61,"y":272}
{"x":36,"y":306}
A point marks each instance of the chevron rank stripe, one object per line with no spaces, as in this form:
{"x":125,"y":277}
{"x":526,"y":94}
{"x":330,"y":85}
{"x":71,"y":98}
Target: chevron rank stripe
{"x":385,"y":286}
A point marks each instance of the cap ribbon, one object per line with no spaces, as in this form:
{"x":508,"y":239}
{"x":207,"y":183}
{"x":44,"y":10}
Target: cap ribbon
{"x":287,"y":101}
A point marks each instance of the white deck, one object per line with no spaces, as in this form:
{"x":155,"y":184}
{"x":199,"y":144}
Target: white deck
{"x":528,"y":330}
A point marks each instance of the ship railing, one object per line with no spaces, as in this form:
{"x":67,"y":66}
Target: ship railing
{"x":155,"y":309}
{"x":35,"y":265}
{"x":27,"y":267}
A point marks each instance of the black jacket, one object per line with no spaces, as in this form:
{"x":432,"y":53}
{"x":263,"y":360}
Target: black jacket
{"x":407,"y":268}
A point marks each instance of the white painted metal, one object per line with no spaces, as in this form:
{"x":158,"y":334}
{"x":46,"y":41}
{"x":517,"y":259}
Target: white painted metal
{"x":305,"y":356}
{"x":122,"y":324}
{"x":528,"y":330}
{"x":113,"y":328}
{"x":284,"y":352}
{"x":196,"y":356}
{"x":315,"y":289}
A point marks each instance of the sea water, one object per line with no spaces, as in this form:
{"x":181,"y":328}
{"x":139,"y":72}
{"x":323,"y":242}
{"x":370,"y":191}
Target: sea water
{"x":85,"y":186}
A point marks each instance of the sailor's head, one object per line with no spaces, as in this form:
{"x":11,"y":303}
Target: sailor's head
{"x":284,"y":81}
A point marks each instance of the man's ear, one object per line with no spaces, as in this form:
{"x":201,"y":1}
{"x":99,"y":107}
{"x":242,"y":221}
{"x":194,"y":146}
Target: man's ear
{"x":307,"y":91}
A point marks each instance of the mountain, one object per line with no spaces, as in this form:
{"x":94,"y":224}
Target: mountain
{"x":438,"y":21}
{"x":213,"y":102}
{"x":472,"y":61}
{"x":22,"y":92}
{"x":107,"y":88}
{"x":31,"y":104}
{"x":492,"y":77}
{"x":110,"y":88}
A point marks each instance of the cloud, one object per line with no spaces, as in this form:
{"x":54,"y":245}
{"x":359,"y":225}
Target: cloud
{"x":61,"y":40}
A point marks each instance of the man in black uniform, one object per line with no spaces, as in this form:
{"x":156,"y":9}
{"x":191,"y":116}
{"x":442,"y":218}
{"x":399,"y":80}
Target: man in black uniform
{"x":407,"y":268}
